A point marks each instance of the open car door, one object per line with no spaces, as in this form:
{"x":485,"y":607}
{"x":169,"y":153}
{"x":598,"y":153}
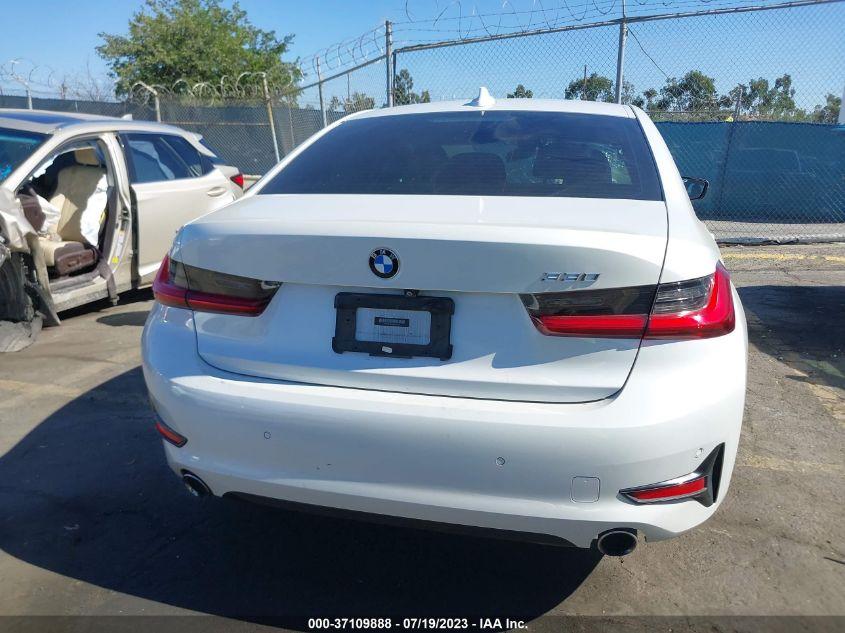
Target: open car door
{"x":173,"y":183}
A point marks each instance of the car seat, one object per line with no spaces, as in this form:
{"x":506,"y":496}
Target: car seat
{"x":67,"y":251}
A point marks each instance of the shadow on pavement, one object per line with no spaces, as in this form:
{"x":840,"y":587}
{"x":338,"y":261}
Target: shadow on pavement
{"x":136,"y":318}
{"x":800,"y":325}
{"x":87,"y":494}
{"x":126,"y":298}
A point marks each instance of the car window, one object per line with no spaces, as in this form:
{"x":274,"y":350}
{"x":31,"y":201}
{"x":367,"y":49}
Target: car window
{"x":160,"y":157}
{"x":214,"y":156}
{"x":15,"y":147}
{"x":507,"y":153}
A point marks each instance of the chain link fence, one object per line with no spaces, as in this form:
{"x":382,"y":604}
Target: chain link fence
{"x":748,"y":97}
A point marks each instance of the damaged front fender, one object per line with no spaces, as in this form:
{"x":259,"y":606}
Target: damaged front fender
{"x":14,"y":225}
{"x":25,"y":298}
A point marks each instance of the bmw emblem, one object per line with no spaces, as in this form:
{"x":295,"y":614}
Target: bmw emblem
{"x":384,"y":263}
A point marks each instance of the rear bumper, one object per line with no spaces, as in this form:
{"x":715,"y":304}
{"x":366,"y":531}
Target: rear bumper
{"x":490,"y":464}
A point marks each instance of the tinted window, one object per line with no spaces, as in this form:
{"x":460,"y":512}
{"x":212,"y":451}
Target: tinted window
{"x":163,"y":157}
{"x":478,"y":153}
{"x":214,"y":158}
{"x":16,"y":147}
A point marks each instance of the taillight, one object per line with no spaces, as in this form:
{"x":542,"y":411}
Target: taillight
{"x":238,"y":179}
{"x":696,"y":308}
{"x":183,"y":286}
{"x":699,"y":308}
{"x":610,"y":313}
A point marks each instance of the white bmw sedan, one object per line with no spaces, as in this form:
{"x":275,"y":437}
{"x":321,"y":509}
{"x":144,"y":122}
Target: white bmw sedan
{"x":497,"y":315}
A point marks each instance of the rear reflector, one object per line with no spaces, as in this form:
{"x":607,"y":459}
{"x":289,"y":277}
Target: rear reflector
{"x":238,"y":179}
{"x":669,"y":492}
{"x":183,"y":286}
{"x":170,"y":435}
{"x":702,"y":485}
{"x":696,"y":308}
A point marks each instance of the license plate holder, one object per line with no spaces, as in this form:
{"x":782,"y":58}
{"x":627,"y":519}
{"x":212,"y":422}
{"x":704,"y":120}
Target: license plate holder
{"x":388,"y":312}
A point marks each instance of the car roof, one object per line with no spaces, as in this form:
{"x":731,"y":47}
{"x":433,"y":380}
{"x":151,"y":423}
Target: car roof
{"x":525,"y":105}
{"x":49,"y":122}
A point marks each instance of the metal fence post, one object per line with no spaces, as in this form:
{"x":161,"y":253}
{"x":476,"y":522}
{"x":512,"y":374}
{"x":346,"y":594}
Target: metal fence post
{"x":320,"y":92}
{"x":842,"y":109}
{"x":620,"y":58}
{"x":270,"y":116}
{"x":153,"y":92}
{"x":290,"y":123}
{"x":389,"y":60}
{"x":157,"y":103}
{"x":723,"y":168}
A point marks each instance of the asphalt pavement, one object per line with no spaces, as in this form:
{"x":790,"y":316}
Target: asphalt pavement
{"x":92,"y":522}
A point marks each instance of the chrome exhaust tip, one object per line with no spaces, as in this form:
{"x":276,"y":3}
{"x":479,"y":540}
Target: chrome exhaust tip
{"x":617,"y":542}
{"x":195,"y":485}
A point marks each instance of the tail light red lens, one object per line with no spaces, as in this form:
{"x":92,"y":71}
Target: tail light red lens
{"x":609,"y":326}
{"x":696,"y":308}
{"x":609,"y":313}
{"x":238,"y":179}
{"x":184,"y":286}
{"x":702,"y":308}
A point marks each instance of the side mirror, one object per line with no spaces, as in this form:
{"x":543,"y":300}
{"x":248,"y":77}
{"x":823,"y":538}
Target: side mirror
{"x":696,"y":187}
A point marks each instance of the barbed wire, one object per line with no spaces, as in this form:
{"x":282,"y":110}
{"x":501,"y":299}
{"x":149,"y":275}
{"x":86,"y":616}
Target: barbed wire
{"x":41,"y":81}
{"x":247,"y":86}
{"x":427,"y":21}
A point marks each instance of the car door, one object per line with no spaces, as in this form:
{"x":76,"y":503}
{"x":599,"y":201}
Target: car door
{"x":173,"y":184}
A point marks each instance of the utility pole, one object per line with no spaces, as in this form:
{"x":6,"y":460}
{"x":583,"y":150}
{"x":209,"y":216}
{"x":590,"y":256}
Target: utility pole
{"x":620,"y":59}
{"x":584,"y":89}
{"x":388,"y":60}
{"x":320,"y":92}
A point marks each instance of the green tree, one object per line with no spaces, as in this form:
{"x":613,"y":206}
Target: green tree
{"x":828,"y":113}
{"x":759,"y":98}
{"x":355,"y":102}
{"x":521,"y":92}
{"x":650,"y":95}
{"x":594,"y":88}
{"x":403,"y":90}
{"x":693,"y":91}
{"x":782,"y":97}
{"x":195,"y":40}
{"x":629,"y":95}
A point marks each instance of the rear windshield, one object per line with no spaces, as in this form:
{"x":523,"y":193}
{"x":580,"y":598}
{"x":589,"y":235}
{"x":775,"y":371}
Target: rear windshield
{"x":501,"y":153}
{"x":15,"y":147}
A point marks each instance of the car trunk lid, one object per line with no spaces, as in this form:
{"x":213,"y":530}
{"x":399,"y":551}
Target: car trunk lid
{"x":482,"y":253}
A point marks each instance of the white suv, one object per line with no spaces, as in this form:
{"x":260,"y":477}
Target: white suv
{"x":495,"y":315}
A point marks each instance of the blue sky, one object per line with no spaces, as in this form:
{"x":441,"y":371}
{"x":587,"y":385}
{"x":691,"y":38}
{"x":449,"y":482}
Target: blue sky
{"x":805,"y":42}
{"x":63,"y":34}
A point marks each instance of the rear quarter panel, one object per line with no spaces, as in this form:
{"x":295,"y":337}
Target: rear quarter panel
{"x":691,"y":250}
